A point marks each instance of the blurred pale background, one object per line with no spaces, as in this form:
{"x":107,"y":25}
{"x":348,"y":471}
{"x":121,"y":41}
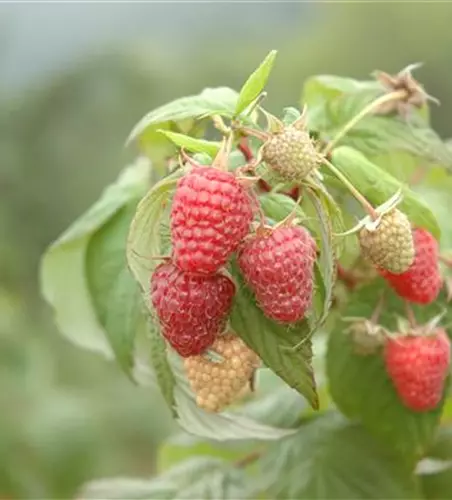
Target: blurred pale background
{"x":74,"y":78}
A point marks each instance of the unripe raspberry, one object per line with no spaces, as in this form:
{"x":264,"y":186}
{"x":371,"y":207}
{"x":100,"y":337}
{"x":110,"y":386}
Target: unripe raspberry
{"x":192,"y":309}
{"x":418,"y":366}
{"x":278,"y":265}
{"x":389,"y":245}
{"x":422,"y":282}
{"x":367,"y":336}
{"x":210,"y":215}
{"x":291,"y":153}
{"x":217,"y":385}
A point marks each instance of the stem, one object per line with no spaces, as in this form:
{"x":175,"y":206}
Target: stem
{"x":410,"y":315}
{"x":393,"y":96}
{"x":244,"y":148}
{"x":445,"y":260}
{"x":359,"y":197}
{"x":259,"y":134}
{"x":346,"y":277}
{"x":378,"y":308}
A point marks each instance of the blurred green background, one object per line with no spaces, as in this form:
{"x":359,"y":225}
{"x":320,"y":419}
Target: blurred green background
{"x":74,"y":80}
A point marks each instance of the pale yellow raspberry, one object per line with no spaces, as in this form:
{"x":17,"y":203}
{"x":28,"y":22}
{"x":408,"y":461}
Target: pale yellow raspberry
{"x":389,"y":243}
{"x":217,"y":385}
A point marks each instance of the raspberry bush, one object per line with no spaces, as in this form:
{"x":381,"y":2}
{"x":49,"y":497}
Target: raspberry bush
{"x":285,"y":281}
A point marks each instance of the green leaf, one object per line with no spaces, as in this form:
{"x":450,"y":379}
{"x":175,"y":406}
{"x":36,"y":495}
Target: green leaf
{"x":277,"y":405}
{"x":199,"y":477}
{"x":216,"y":426}
{"x":278,"y":206}
{"x":180,"y":447}
{"x":114,"y":292}
{"x":162,"y":369}
{"x":327,"y":260}
{"x":63,"y":277}
{"x":211,"y":101}
{"x":334,"y":101}
{"x":332,"y":458}
{"x":378,"y":186}
{"x":255,"y":83}
{"x":360,"y":385}
{"x":322,"y":88}
{"x":192,"y":144}
{"x":274,"y":343}
{"x":290,"y":115}
{"x":144,"y":242}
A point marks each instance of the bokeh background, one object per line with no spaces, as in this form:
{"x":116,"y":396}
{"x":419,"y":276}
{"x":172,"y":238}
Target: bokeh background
{"x":74,"y":79}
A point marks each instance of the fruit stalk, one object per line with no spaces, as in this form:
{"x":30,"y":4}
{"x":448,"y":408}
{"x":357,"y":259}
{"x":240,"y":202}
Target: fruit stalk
{"x":393,"y":96}
{"x":359,"y":197}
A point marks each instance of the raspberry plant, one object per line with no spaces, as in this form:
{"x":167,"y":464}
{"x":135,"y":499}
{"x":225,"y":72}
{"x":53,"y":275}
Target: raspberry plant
{"x":260,"y":270}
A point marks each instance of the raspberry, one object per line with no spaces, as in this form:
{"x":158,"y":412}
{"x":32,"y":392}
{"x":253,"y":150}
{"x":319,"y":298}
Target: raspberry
{"x":192,"y":309}
{"x":291,"y":153}
{"x":389,"y":245}
{"x":418,"y":366}
{"x":210,"y":215}
{"x":278,"y":265}
{"x":217,"y":385}
{"x":422,"y":282}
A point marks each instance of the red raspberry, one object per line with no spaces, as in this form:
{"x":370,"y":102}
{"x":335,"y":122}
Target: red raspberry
{"x":211,"y":214}
{"x":418,"y":366}
{"x":422,"y":282}
{"x":278,"y":265}
{"x":192,"y":309}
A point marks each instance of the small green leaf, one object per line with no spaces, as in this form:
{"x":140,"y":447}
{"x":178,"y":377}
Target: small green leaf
{"x":332,"y":458}
{"x":278,"y":206}
{"x":114,"y":292}
{"x":192,"y":144}
{"x":210,"y":101}
{"x":360,"y":386}
{"x":290,"y":115}
{"x":144,"y":242}
{"x":378,"y":186}
{"x":255,"y":83}
{"x":274,"y":343}
{"x":63,"y":268}
{"x":162,"y":369}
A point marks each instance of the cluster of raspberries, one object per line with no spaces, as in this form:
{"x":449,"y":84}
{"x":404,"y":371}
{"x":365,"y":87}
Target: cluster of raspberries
{"x":192,"y":292}
{"x":417,"y":361}
{"x":408,"y":258}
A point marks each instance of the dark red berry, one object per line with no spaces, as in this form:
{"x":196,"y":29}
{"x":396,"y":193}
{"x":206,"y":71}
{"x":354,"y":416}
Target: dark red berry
{"x":192,"y":309}
{"x":278,"y":265}
{"x":422,"y":282}
{"x":210,"y":215}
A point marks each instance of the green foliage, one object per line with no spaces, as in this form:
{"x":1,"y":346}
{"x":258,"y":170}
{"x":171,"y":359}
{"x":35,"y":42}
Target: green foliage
{"x":378,"y":186}
{"x":271,"y":443}
{"x":351,"y":375}
{"x":255,"y":83}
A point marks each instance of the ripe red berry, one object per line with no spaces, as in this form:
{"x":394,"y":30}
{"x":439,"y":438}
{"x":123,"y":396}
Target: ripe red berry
{"x":192,"y":309}
{"x":278,"y":265}
{"x":422,"y":282}
{"x":210,"y":215}
{"x":418,"y":366}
